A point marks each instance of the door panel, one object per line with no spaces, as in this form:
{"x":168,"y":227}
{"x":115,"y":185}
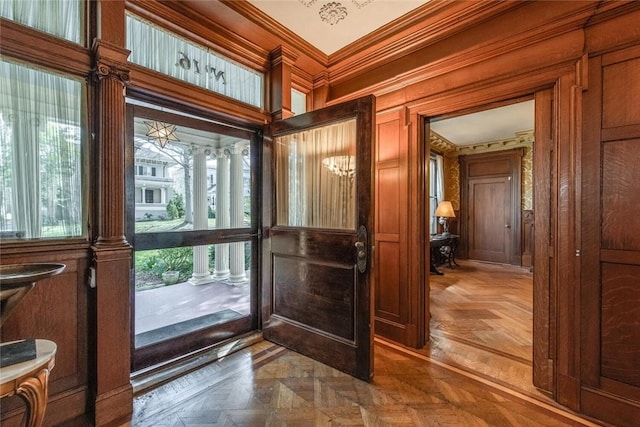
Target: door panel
{"x":610,"y":252}
{"x":316,"y":300}
{"x":490,"y":219}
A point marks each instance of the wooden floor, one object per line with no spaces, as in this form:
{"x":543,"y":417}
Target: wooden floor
{"x":482,"y":320}
{"x":475,"y":372}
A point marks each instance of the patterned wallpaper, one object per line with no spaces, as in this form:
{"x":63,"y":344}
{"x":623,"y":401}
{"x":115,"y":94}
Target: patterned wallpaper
{"x":452,"y":165}
{"x":452,"y":181}
{"x":527,"y":179}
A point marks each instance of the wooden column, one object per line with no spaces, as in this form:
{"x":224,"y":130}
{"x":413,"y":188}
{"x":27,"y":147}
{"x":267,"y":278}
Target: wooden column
{"x":282,"y":59}
{"x":112,"y":252}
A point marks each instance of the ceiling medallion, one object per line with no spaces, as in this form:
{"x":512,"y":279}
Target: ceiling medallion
{"x":333,"y":12}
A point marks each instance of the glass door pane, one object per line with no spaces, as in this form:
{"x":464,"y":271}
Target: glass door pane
{"x":315,"y":175}
{"x":194,"y":231}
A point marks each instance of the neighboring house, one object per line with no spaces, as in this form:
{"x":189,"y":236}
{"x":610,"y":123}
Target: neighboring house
{"x":154,"y":185}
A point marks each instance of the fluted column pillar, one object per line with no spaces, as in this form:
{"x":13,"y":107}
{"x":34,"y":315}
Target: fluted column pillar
{"x":201,"y":274}
{"x":236,"y":256}
{"x":222,"y":212}
{"x":112,"y":389}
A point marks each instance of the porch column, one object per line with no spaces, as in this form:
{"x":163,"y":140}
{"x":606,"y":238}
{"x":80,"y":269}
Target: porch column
{"x":222,"y":212}
{"x":238,"y":274}
{"x":201,"y":274}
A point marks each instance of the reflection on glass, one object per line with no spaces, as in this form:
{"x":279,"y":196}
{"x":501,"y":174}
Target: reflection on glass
{"x":315,"y":177}
{"x":167,"y":304}
{"x":199,"y":181}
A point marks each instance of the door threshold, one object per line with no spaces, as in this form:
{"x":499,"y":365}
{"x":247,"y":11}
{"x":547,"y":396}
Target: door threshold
{"x":156,"y":375}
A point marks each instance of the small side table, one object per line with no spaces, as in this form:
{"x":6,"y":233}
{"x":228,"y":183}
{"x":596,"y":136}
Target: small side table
{"x":30,"y":381}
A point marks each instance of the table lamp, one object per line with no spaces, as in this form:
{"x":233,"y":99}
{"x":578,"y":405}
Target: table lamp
{"x":444,"y":212}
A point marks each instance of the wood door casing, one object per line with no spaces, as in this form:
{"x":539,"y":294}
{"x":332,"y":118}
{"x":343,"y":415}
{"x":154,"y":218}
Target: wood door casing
{"x":499,"y":170}
{"x":544,"y":278}
{"x":490,"y":219}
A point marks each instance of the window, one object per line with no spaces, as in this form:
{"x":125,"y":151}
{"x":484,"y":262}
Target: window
{"x":436,"y":188}
{"x":61,"y":18}
{"x":40,"y":153}
{"x":148,"y":196}
{"x":160,"y":50}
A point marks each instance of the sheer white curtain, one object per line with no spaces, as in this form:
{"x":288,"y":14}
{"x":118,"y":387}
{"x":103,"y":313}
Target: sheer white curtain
{"x":436,"y":189}
{"x":159,"y":50}
{"x":61,"y":18}
{"x":315,"y":177}
{"x":40,"y":153}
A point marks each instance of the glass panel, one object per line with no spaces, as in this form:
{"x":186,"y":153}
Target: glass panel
{"x":40,"y":154}
{"x":162,"y":51}
{"x":168,"y":305}
{"x":298,"y":102}
{"x":315,"y":177}
{"x":61,"y":18}
{"x":189,"y":179}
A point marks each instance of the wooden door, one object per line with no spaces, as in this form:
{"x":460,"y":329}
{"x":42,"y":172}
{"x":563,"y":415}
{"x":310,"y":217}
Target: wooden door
{"x":317,"y":295}
{"x":610,"y":253}
{"x":490,"y":185}
{"x":490,"y":219}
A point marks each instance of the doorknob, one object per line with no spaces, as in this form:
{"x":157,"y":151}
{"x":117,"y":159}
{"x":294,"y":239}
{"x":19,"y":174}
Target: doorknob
{"x":361,"y":247}
{"x":507,"y":226}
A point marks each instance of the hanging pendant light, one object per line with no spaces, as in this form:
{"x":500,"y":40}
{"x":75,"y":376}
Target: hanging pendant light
{"x":161,"y":132}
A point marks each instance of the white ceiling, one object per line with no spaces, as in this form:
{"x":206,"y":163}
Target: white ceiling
{"x":487,"y":126}
{"x":331,"y":25}
{"x":352,"y":20}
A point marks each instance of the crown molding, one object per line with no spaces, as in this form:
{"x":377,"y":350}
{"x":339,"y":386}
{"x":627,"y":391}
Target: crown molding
{"x":258,"y":17}
{"x":447,"y":52}
{"x":426,"y":25}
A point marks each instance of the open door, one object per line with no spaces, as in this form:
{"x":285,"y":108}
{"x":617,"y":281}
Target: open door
{"x":317,"y":236}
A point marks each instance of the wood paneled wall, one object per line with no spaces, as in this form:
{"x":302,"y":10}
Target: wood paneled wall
{"x":57,"y":310}
{"x":610,"y":309}
{"x":391,"y":275}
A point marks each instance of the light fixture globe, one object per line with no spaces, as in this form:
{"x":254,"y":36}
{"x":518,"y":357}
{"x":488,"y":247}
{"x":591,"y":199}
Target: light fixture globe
{"x":161,"y":132}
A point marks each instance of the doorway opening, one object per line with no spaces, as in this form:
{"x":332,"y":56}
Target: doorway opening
{"x":481,"y":304}
{"x":192,"y":203}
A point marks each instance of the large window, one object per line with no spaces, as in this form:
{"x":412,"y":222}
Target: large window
{"x":40,"y":153}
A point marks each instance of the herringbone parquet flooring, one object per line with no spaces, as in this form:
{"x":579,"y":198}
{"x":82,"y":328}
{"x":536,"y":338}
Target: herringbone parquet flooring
{"x":481,"y":321}
{"x":267,"y":385}
{"x":480,"y":344}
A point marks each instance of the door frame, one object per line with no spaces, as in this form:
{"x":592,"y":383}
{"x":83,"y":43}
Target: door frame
{"x":168,"y":351}
{"x":564,"y":350}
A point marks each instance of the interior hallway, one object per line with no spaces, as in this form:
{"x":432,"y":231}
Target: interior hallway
{"x":487,"y":332}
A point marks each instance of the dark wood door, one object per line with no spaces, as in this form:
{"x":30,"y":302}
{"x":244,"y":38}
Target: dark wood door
{"x":490,"y":222}
{"x":317,"y":295}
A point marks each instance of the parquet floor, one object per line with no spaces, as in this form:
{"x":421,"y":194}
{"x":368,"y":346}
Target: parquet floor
{"x":455,"y":381}
{"x":481,"y":321}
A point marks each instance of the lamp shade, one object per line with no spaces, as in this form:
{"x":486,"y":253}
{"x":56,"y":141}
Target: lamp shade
{"x":445,"y":210}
